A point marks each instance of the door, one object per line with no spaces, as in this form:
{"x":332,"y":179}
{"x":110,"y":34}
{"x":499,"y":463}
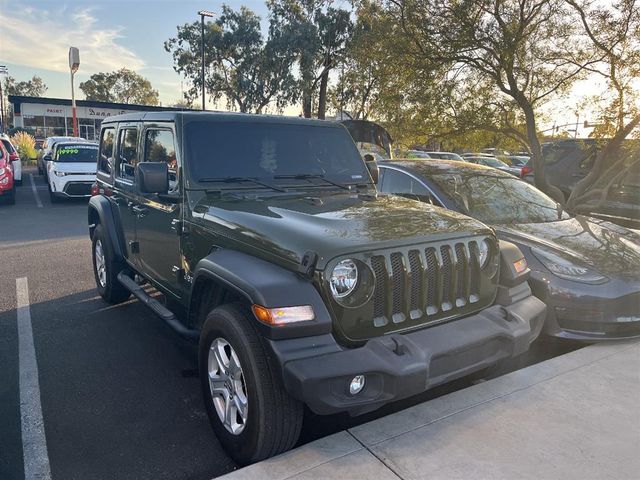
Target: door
{"x":158,"y":222}
{"x":124,"y":192}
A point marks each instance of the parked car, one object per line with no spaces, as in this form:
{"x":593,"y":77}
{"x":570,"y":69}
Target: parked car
{"x":14,"y":158}
{"x":476,"y":154}
{"x":72,"y":170}
{"x":496,"y":152}
{"x":414,"y":154}
{"x":586,"y":270}
{"x":47,"y":148}
{"x":622,"y":202}
{"x":445,"y":155}
{"x":7,"y":185}
{"x":517,"y":160}
{"x":494,"y":163}
{"x":283,"y":263}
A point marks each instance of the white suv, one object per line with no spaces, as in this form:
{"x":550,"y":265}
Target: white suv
{"x":72,"y":170}
{"x":16,"y":162}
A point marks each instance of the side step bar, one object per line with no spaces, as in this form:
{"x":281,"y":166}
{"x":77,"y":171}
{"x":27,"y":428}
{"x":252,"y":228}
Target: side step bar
{"x":157,"y":308}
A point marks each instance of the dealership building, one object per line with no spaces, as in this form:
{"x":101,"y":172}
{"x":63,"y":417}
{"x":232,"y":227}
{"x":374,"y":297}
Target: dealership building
{"x":53,"y":116}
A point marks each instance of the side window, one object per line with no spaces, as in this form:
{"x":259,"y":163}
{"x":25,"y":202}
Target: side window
{"x":399,"y":183}
{"x":160,"y":147}
{"x":127,"y":153}
{"x":105,"y":155}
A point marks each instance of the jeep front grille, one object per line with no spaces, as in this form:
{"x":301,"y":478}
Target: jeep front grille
{"x":432,"y":282}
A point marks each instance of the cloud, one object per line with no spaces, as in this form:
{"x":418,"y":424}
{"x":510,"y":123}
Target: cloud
{"x":41,"y":39}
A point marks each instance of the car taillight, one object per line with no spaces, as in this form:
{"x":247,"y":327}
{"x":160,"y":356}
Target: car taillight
{"x":525,"y":171}
{"x":95,"y":189}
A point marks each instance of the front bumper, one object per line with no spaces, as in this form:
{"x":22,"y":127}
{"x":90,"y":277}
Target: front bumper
{"x":317,"y":371}
{"x":589,"y":313}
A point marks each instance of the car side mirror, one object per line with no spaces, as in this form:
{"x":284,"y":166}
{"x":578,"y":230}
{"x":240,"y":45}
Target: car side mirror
{"x":47,"y":157}
{"x":374,"y":171}
{"x":153,"y":177}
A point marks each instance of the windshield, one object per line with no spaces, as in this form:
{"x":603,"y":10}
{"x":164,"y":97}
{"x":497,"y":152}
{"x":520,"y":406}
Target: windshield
{"x":495,"y":199}
{"x":270,"y":151}
{"x":492,"y":162}
{"x":77,"y":154}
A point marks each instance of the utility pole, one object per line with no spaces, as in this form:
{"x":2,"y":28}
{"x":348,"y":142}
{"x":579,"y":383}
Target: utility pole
{"x":74,"y":64}
{"x":3,"y":71}
{"x":203,"y":13}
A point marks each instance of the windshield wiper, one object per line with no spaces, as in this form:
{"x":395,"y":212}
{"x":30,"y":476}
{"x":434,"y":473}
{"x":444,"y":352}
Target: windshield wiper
{"x":243,"y":179}
{"x":307,"y":176}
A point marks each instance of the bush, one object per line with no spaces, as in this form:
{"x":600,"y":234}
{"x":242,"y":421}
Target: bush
{"x":25,"y":145}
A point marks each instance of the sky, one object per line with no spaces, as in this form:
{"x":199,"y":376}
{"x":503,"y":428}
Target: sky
{"x":36,"y":35}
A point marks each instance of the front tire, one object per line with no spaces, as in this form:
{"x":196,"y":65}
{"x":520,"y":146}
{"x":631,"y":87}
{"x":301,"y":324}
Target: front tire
{"x":251,"y":413}
{"x":106,"y":269}
{"x":11,"y":198}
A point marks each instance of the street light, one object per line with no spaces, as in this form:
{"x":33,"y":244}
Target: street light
{"x":74,"y":63}
{"x":3,"y":71}
{"x":203,"y":13}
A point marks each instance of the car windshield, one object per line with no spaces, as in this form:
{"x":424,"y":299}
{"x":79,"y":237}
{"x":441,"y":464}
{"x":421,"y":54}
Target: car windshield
{"x":492,"y":162}
{"x":270,"y":151}
{"x":77,"y":153}
{"x":496,"y":199}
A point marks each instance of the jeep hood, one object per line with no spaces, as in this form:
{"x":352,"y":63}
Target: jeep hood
{"x":331,"y":225}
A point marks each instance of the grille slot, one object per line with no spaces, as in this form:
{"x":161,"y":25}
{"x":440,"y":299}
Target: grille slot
{"x":412,"y":284}
{"x":447,"y":277}
{"x":380,"y":272}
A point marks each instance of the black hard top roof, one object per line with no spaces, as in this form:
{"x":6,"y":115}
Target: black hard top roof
{"x":215,"y":117}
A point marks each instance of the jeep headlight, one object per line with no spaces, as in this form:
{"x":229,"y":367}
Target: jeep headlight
{"x":563,"y":268}
{"x":484,"y":253}
{"x":58,"y":173}
{"x":344,"y":279}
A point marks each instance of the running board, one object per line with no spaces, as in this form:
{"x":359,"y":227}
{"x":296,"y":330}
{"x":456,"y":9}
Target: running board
{"x":156,"y":307}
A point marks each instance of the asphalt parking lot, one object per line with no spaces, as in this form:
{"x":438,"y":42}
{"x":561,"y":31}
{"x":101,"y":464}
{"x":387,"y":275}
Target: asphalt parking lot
{"x":118,"y":390}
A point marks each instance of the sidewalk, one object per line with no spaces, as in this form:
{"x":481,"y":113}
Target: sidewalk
{"x":576,"y":416}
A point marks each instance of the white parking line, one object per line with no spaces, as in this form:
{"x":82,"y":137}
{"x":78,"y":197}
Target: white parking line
{"x":34,"y":442}
{"x":35,"y":190}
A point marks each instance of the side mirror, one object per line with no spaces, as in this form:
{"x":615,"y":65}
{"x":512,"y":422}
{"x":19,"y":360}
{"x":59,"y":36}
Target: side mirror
{"x":153,"y":177}
{"x":374,"y":171}
{"x":47,"y":157}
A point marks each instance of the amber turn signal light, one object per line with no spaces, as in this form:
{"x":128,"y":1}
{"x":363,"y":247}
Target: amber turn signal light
{"x":283,"y":315}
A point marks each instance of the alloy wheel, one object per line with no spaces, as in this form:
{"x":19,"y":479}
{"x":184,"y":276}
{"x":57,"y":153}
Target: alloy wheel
{"x":227,"y":386}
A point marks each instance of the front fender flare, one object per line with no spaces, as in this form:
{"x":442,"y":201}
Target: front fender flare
{"x":264,"y":283}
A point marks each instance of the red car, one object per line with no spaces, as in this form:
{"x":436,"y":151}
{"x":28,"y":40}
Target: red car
{"x":7,"y":186}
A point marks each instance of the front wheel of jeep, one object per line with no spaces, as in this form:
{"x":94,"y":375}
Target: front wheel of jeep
{"x":251,"y":413}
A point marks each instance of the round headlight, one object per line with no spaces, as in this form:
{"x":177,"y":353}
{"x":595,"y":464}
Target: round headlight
{"x":484,"y":252}
{"x":344,"y":278}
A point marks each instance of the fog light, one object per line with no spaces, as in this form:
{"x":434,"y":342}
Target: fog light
{"x":356,"y":385}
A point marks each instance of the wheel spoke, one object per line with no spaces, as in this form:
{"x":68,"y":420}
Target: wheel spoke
{"x":229,"y":413}
{"x":241,"y":406}
{"x":234,"y":365}
{"x":217,"y":384}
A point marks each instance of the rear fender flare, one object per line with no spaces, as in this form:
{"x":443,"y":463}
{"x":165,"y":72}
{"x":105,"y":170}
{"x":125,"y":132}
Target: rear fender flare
{"x":109,"y":218}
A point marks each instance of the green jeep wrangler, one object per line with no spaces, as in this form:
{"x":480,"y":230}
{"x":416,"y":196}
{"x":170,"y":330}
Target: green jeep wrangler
{"x":301,"y":285}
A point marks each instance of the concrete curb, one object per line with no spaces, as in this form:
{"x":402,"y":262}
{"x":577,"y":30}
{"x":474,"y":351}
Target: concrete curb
{"x":444,"y":437}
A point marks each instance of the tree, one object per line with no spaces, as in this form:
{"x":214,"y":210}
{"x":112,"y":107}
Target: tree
{"x":241,"y":67}
{"x":614,"y":32}
{"x":523,"y":51}
{"x":30,"y":88}
{"x":318,"y":34}
{"x":121,"y":86}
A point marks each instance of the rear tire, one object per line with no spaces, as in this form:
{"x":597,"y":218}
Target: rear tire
{"x":106,"y":269}
{"x":273,"y":419}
